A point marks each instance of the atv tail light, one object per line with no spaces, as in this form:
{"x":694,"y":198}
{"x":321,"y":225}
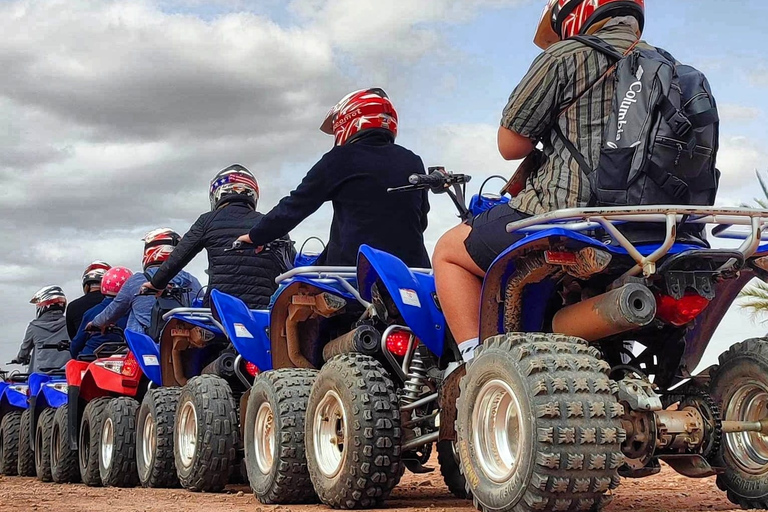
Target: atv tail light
{"x":114,"y":365}
{"x":252,"y":369}
{"x":130,"y":366}
{"x":679,"y":312}
{"x":398,"y":341}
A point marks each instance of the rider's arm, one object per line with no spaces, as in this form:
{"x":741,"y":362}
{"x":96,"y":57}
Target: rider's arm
{"x":310,"y":195}
{"x":81,"y":337}
{"x":533,"y":108}
{"x":121,"y":306}
{"x":26,"y":346}
{"x":190,"y":246}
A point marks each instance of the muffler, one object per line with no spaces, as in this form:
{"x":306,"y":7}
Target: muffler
{"x":624,"y":309}
{"x":364,"y":339}
{"x":223,"y":366}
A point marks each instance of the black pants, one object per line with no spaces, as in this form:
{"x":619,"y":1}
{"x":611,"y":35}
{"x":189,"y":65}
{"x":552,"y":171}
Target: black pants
{"x":489,"y":236}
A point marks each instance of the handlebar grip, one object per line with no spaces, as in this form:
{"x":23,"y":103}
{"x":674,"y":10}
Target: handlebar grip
{"x":434,"y":179}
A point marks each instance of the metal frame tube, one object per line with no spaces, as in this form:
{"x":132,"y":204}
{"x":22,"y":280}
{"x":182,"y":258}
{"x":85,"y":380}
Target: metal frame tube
{"x":576,"y":219}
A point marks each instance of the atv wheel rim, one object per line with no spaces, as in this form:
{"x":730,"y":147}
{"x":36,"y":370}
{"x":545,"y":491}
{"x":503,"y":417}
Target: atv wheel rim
{"x":107,"y":442}
{"x":84,"y":446}
{"x":39,"y":448}
{"x":264,"y":438}
{"x":55,"y":446}
{"x":749,"y":449}
{"x":497,"y":429}
{"x":329,"y":434}
{"x":148,"y":440}
{"x":187,"y":433}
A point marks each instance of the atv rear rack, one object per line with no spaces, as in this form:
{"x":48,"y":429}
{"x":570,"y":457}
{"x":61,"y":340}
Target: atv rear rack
{"x":586,"y":219}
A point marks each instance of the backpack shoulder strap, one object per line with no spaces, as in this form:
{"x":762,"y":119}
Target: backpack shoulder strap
{"x":599,"y":45}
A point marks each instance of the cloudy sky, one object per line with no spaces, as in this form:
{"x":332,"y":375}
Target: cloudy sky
{"x":114,"y":115}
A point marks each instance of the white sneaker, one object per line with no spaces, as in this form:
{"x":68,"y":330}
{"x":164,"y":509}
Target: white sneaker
{"x":467,"y":349}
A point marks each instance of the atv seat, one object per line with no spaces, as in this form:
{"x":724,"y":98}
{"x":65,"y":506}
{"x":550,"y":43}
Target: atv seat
{"x":19,"y":378}
{"x":53,"y":371}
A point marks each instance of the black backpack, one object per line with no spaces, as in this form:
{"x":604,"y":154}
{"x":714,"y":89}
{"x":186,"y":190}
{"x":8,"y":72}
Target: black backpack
{"x":170,"y":299}
{"x":661,"y":140}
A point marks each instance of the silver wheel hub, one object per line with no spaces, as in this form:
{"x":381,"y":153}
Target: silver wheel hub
{"x":148,"y":440}
{"x":749,"y":449}
{"x":329,"y":432}
{"x":264,"y":438}
{"x":187,"y":433}
{"x":497,"y":430}
{"x":107,"y":442}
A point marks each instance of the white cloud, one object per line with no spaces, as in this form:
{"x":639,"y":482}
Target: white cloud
{"x":738,"y":159}
{"x":732,"y":114}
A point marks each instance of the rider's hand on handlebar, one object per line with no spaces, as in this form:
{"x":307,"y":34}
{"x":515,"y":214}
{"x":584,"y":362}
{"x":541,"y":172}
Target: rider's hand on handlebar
{"x":245,"y":240}
{"x":94,"y":328}
{"x":148,"y":289}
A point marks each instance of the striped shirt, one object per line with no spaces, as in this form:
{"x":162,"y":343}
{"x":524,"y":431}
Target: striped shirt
{"x":568,"y":84}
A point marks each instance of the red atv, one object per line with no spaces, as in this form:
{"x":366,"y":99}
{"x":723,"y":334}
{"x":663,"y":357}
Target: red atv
{"x":95,"y":433}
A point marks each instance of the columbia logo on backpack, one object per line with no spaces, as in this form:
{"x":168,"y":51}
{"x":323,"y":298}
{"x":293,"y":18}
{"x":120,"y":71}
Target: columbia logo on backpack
{"x":661,"y":140}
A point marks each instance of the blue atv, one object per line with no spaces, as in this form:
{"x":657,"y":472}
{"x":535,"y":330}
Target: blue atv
{"x":357,"y":358}
{"x":41,"y":429}
{"x":187,"y":424}
{"x":14,"y":390}
{"x":592,"y":326}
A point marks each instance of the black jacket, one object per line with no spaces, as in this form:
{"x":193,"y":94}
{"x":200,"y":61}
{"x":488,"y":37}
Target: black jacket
{"x":242,"y":273}
{"x":77,"y":308}
{"x":355,"y":177}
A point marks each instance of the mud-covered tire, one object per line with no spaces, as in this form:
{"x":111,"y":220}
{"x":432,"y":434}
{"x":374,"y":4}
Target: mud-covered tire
{"x":276,"y":411}
{"x":448,"y":460}
{"x":43,"y":445}
{"x":64,"y":465}
{"x":88,"y":441}
{"x":25,"y":466}
{"x":117,"y":447}
{"x":9,"y":443}
{"x":739,"y":386}
{"x":564,"y":451}
{"x":206,"y":434}
{"x":154,"y":438}
{"x":368,"y":466}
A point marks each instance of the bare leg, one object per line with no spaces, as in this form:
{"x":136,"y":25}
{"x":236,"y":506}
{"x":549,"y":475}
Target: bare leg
{"x":459,"y":283}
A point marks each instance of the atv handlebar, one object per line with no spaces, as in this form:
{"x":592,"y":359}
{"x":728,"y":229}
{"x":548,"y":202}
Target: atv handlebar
{"x":438,"y":180}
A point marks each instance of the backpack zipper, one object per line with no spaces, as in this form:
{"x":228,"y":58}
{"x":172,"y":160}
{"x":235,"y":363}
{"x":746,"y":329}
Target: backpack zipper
{"x":680,"y":146}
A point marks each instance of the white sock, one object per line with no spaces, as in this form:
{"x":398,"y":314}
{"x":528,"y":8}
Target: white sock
{"x":467,"y":348}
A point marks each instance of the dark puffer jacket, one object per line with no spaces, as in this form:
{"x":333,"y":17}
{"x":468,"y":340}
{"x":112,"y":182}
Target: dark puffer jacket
{"x":243,"y":273}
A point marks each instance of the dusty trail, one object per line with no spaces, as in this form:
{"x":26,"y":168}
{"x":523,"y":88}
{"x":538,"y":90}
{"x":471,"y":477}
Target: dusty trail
{"x":417,"y":493}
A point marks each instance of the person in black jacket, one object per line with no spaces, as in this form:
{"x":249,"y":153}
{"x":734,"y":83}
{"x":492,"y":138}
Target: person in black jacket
{"x":355,"y":176}
{"x":92,"y":296}
{"x":234,"y":194}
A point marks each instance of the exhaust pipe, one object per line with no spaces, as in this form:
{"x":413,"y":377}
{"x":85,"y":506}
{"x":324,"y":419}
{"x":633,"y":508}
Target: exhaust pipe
{"x":624,"y":309}
{"x":364,"y":339}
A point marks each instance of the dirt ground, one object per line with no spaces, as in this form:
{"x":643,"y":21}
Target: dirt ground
{"x":416,"y":493}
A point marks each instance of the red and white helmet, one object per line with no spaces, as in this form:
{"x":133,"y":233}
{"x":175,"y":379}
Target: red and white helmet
{"x":158,"y":245}
{"x":94,"y":272}
{"x":114,"y":280}
{"x":366,"y":109}
{"x":562,"y":19}
{"x":48,"y":296}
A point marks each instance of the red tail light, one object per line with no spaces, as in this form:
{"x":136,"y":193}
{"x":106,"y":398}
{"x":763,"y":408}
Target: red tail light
{"x":679,"y":312}
{"x":397,"y":342}
{"x":130,"y":366}
{"x":252,"y":369}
